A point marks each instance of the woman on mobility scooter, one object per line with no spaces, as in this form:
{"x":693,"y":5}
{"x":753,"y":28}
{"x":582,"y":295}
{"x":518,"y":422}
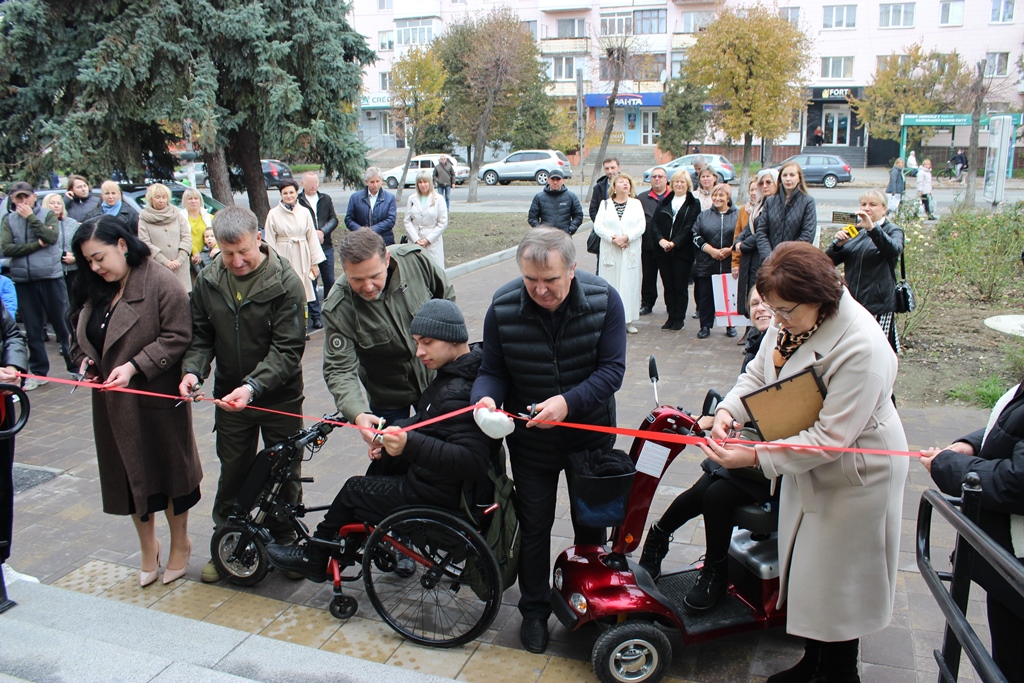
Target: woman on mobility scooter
{"x":839,"y":513}
{"x":427,"y":466}
{"x":716,"y":495}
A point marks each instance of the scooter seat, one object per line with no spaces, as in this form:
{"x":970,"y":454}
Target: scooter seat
{"x":756,"y":520}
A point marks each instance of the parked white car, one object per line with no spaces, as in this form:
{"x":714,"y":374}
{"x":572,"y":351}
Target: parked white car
{"x":422,"y":162}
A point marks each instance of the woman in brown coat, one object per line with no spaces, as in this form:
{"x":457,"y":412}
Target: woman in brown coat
{"x":132,"y":325}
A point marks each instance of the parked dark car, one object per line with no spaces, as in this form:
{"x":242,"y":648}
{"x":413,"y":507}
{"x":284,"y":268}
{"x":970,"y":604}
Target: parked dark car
{"x":275,"y":171}
{"x":826,"y":169}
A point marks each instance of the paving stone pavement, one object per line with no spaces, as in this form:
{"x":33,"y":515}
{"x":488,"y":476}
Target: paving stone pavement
{"x":63,"y":537}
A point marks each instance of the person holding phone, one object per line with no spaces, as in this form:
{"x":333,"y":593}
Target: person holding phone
{"x":869,"y":257}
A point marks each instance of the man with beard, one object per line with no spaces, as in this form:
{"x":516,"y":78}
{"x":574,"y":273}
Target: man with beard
{"x":367,"y":318}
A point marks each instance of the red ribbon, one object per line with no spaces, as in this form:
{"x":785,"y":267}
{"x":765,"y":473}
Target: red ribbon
{"x":728,"y":313}
{"x":663,"y":437}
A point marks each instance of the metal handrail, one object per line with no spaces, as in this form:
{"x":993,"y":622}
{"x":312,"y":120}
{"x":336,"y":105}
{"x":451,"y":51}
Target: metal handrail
{"x":971,"y":543}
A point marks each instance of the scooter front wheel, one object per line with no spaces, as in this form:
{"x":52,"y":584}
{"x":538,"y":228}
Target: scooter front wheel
{"x":631,"y":652}
{"x":240,"y":558}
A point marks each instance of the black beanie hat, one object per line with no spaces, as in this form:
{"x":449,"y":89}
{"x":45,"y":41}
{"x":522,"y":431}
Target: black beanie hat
{"x":440,"y":319}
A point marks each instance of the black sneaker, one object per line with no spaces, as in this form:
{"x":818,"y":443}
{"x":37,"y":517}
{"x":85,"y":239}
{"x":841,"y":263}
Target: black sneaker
{"x":677,"y":325}
{"x":711,"y":585}
{"x":730,"y":332}
{"x":704,"y":333}
{"x":309,"y":561}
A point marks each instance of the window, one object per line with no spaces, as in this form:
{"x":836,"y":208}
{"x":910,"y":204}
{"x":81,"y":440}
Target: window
{"x":384,"y":4}
{"x":387,"y":40}
{"x":996,"y":63}
{"x":1002,"y":11}
{"x":839,"y":16}
{"x":385,"y":123}
{"x":414,"y":31}
{"x":530,"y":27}
{"x":885,"y":60}
{"x":837,"y":67}
{"x":896,"y":16}
{"x":564,"y":69}
{"x":678,"y":60}
{"x":790,"y":14}
{"x":572,"y":28}
{"x":642,"y":67}
{"x":620,"y":24}
{"x":951,"y":13}
{"x":385,"y":81}
{"x":650,"y":21}
{"x":692,"y":22}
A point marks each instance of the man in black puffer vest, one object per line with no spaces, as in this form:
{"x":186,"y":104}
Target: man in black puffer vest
{"x":426,"y":466}
{"x":554,"y":346}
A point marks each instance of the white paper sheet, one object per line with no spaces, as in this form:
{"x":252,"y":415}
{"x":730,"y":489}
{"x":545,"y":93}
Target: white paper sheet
{"x":652,"y":459}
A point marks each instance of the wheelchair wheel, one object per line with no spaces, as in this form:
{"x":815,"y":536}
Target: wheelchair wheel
{"x":455,"y":591}
{"x":343,"y":606}
{"x":239,"y":557}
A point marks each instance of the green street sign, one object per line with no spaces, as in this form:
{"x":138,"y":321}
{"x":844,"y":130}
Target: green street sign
{"x":935,"y":120}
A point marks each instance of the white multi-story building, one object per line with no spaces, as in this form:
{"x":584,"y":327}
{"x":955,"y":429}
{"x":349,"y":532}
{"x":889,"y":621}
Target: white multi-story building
{"x":849,"y":42}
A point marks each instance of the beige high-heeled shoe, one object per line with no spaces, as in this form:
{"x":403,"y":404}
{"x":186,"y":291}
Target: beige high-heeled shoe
{"x":146,"y":578}
{"x":171,"y":575}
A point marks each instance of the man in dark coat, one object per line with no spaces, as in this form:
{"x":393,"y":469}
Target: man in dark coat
{"x":649,"y":244}
{"x":556,"y":206}
{"x":554,"y":348}
{"x":325,"y":219}
{"x":373,"y":208}
{"x":425,"y":466}
{"x":444,"y":178}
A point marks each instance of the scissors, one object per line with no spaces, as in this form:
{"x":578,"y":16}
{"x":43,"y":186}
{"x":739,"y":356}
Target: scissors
{"x":532,"y":414}
{"x":379,"y":438}
{"x":192,"y":395}
{"x":78,"y":378}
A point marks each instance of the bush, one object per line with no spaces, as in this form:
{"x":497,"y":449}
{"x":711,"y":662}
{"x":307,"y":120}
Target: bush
{"x":302,"y":168}
{"x":926,"y":270}
{"x":982,"y":250}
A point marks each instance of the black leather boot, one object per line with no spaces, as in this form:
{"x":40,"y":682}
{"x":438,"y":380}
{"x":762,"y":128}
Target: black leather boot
{"x":711,"y":585}
{"x":805,"y":670}
{"x":838,"y":663}
{"x":655,"y":550}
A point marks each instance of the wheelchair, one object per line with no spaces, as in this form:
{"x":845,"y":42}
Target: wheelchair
{"x":449,"y":593}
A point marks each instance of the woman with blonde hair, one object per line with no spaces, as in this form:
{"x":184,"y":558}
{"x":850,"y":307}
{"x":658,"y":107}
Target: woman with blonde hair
{"x":426,"y":217}
{"x":112,"y":204}
{"x":620,"y":223}
{"x":199,"y":221}
{"x":164,"y":229}
{"x":68,"y":226}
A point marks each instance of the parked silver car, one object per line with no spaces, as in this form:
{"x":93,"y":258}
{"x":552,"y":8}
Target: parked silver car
{"x":526,"y":164}
{"x":827,"y":169}
{"x":722,"y":166}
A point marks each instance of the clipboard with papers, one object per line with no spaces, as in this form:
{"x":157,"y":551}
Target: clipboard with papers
{"x":785,"y":408}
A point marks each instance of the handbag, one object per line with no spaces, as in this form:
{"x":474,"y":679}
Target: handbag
{"x":593,"y":242}
{"x":905,"y":302}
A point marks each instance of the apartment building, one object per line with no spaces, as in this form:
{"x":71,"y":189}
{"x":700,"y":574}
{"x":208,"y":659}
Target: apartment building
{"x":849,"y":43}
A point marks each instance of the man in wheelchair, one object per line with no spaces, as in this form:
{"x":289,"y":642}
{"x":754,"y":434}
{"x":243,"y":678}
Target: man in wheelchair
{"x":426,"y":466}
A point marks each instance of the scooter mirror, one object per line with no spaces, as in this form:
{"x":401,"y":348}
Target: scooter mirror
{"x":711,"y":401}
{"x":652,"y":368}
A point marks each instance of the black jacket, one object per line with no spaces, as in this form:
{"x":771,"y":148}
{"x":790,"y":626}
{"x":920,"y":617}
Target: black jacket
{"x":561,"y":209}
{"x":999,"y":461}
{"x":781,"y":221}
{"x":751,"y":346}
{"x":714,"y":229}
{"x":678,"y":229}
{"x":650,"y":202}
{"x":869,"y":266}
{"x":443,"y":455}
{"x":325,"y":218}
{"x":80,"y":208}
{"x":126,"y":215}
{"x":599,"y":195}
{"x":750,"y":262}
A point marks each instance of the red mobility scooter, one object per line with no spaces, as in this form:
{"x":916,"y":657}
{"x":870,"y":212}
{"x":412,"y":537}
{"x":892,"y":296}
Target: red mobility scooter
{"x":594,"y":583}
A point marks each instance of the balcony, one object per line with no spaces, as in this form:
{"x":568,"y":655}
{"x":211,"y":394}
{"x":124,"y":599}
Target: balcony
{"x":683,"y":41}
{"x":563,"y":89}
{"x":564,"y":5}
{"x":565,"y":46}
{"x":413,"y":9}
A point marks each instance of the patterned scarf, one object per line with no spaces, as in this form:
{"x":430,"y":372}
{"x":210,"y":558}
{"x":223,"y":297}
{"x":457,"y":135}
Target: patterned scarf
{"x":787,"y":343}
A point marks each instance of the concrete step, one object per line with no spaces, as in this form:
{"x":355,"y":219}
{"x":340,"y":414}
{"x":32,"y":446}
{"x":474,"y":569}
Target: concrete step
{"x":60,"y":635}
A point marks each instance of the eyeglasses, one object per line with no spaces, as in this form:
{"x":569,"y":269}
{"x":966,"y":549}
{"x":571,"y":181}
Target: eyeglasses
{"x":785,"y":315}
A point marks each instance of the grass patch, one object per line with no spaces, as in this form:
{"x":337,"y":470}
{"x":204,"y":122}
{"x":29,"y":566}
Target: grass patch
{"x":984,"y":392}
{"x":470,"y":236}
{"x":303,"y":168}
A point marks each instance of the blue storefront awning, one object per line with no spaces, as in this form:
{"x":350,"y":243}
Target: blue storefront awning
{"x":646,"y":99}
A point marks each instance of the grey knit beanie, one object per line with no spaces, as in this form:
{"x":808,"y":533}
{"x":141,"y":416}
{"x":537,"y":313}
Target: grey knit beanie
{"x":440,"y":319}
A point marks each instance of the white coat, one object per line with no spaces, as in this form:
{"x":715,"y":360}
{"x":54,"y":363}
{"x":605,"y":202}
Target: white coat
{"x":621,"y":267}
{"x":427,"y":222}
{"x":292,"y":236}
{"x":839,"y":514}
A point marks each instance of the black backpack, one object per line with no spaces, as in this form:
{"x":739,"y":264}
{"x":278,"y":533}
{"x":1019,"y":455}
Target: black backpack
{"x":497,"y":520}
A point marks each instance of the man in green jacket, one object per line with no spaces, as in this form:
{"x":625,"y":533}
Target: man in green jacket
{"x":367,"y":318}
{"x":247,"y":313}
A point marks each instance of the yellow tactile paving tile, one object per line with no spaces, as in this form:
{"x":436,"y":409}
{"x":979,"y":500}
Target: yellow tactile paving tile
{"x":193,"y":600}
{"x":96,"y":577}
{"x":128,"y":591}
{"x":561,"y":670}
{"x":249,"y":613}
{"x":303,"y":626}
{"x":364,"y":639}
{"x":439,"y":662}
{"x":496,"y":664}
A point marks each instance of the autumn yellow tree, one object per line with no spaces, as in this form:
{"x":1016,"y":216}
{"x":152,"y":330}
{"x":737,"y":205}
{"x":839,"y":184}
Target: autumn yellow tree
{"x":753,"y":63}
{"x":417,"y":95}
{"x":913,"y":81}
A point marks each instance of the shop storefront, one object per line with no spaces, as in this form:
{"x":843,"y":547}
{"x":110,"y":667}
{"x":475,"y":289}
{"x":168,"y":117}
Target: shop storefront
{"x":376,"y":124}
{"x":636,"y":116}
{"x":830,"y":119}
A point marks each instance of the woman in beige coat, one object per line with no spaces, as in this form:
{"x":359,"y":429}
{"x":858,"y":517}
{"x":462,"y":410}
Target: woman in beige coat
{"x":839,"y":513}
{"x":290,"y":231}
{"x":166,"y":232}
{"x":426,"y":217}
